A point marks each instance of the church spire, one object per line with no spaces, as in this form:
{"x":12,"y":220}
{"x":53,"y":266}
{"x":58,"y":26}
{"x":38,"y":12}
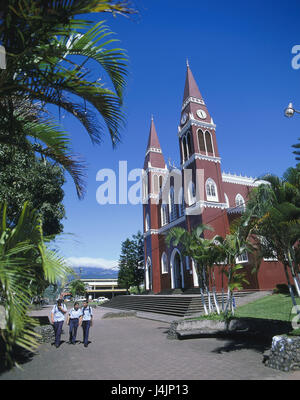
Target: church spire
{"x":153,"y":141}
{"x":154,"y":156}
{"x":193,"y":106}
{"x":191,"y":88}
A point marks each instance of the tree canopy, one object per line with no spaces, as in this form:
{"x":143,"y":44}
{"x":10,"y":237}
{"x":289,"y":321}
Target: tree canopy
{"x":26,"y":178}
{"x":131,"y":262}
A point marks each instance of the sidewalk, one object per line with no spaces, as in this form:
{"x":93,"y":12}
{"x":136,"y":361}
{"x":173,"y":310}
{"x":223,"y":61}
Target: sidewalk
{"x":137,"y":348}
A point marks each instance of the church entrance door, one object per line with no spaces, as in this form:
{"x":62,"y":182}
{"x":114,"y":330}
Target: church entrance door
{"x":177,"y":271}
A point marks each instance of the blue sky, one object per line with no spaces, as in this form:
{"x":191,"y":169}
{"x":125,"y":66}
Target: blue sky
{"x":240,"y":55}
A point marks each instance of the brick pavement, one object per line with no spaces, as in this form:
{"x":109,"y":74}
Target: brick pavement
{"x":133,"y":348}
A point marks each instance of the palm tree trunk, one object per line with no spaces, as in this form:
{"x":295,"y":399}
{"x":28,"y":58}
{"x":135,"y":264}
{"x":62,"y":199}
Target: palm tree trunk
{"x":232,"y":306}
{"x":200,"y":279}
{"x":296,"y":282}
{"x":296,"y":278}
{"x":222,"y":273}
{"x":290,"y":261}
{"x":229,"y":294}
{"x":216,"y":300}
{"x":227,"y":301}
{"x":214,"y":292}
{"x":210,"y":309}
{"x":203,"y":301}
{"x":289,"y":285}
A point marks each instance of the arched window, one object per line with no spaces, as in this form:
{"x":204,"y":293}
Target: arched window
{"x":148,"y":274}
{"x":160,"y":182}
{"x":242,"y":258}
{"x":208,"y":143}
{"x":172,"y":206}
{"x":164,"y":214}
{"x":189,"y":144}
{"x":211,"y":190}
{"x":155,"y":184}
{"x":184,"y":152}
{"x":145,"y":185}
{"x":181,"y":204}
{"x":147,"y":223}
{"x":201,"y":141}
{"x":226,"y":200}
{"x":191,"y":193}
{"x":239,"y":201}
{"x":164,"y":264}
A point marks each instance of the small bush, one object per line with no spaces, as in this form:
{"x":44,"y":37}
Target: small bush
{"x":213,"y":317}
{"x":283,"y":288}
{"x":295,"y":332}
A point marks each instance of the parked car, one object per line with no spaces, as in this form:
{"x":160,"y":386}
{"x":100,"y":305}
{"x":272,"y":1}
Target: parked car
{"x":102,"y":299}
{"x":80,"y":299}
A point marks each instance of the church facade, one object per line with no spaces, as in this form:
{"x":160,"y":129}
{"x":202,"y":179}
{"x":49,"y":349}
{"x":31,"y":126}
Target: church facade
{"x":197,"y":192}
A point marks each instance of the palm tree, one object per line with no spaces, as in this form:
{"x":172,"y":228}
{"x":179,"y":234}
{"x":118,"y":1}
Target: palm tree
{"x":26,"y":263}
{"x":36,"y":132}
{"x":231,"y":247}
{"x":77,"y":288}
{"x":273,"y":213}
{"x":205,"y":254}
{"x":48,"y":50}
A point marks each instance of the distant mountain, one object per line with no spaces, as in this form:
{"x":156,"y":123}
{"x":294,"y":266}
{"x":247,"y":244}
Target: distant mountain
{"x":96,"y":273}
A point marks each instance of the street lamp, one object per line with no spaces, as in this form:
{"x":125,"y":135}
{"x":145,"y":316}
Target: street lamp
{"x":290,"y":111}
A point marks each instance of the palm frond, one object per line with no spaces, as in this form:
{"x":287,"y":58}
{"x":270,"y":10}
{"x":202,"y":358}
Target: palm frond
{"x":24,"y":260}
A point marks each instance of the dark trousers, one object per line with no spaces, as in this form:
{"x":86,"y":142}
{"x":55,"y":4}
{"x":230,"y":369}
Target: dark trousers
{"x":57,"y":331}
{"x":86,"y":328}
{"x":73,"y":329}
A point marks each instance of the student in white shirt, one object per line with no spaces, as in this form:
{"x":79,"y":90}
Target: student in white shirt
{"x":87,"y":321}
{"x":73,"y":322}
{"x":57,"y":319}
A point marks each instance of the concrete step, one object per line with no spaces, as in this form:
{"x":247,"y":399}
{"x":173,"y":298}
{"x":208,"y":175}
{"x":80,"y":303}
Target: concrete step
{"x":153,"y":310}
{"x":178,"y":305}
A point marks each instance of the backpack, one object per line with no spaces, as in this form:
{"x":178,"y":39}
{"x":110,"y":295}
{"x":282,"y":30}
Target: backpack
{"x":83,"y":310}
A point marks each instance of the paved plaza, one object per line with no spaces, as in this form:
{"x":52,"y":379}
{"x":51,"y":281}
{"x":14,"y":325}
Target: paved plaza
{"x":134,"y":349}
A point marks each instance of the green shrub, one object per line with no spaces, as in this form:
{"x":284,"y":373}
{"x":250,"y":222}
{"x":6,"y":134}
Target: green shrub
{"x":283,"y":288}
{"x":295,"y":332}
{"x":213,"y":317}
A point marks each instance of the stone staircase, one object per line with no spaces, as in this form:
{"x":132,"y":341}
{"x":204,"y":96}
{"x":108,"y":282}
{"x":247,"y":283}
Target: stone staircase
{"x":177,"y":305}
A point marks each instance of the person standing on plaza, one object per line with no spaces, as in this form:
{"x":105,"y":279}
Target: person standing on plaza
{"x":57,"y":319}
{"x":73,"y":322}
{"x":87,"y":321}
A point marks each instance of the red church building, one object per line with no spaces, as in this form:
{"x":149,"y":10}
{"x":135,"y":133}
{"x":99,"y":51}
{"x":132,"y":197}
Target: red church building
{"x":209,"y":196}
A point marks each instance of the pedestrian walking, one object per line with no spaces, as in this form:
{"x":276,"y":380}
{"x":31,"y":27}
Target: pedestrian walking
{"x":57,"y":319}
{"x":87,"y":321}
{"x":73,"y":322}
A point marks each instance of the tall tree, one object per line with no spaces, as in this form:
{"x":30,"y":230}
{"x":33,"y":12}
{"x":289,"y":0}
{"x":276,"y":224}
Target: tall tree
{"x":273,"y":214}
{"x":26,"y":178}
{"x":127,"y":264}
{"x":139,"y":271}
{"x":48,"y":51}
{"x":77,"y":288}
{"x":131,"y":262}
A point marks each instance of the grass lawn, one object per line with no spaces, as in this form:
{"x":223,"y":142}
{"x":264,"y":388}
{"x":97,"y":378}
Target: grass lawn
{"x":276,"y":306}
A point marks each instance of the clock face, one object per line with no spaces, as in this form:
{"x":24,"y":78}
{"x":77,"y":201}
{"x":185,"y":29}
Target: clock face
{"x":183,"y":118}
{"x":201,"y":114}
